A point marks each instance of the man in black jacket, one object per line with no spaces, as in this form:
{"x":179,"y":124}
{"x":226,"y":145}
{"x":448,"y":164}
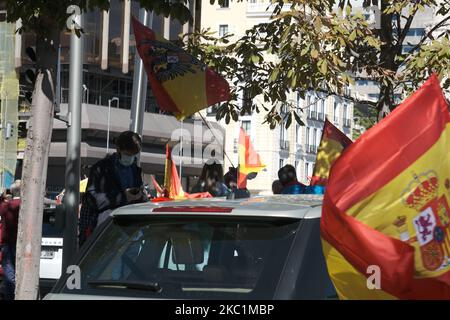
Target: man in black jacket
{"x":113,"y":182}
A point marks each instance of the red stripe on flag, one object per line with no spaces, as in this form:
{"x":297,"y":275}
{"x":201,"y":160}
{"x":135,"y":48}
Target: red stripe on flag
{"x":331,"y":132}
{"x":387,"y":149}
{"x":217,"y":88}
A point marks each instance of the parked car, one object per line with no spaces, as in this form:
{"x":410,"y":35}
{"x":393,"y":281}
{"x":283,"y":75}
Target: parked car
{"x":51,"y":252}
{"x":266,"y":247}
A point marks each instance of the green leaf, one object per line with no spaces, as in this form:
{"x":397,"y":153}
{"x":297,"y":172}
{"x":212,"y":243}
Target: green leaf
{"x":298,"y":119}
{"x":274,"y":75}
{"x":288,"y":121}
{"x":324,"y":67}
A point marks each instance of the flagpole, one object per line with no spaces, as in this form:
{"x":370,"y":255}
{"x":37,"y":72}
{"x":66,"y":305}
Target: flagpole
{"x":212,"y":131}
{"x":181,"y":150}
{"x":139,"y":94}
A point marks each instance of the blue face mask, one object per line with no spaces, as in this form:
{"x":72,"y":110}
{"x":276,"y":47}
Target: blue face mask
{"x":127,"y":160}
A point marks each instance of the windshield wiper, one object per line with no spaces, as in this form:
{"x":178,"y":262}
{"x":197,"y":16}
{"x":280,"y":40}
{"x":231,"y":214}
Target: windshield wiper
{"x":147,"y":286}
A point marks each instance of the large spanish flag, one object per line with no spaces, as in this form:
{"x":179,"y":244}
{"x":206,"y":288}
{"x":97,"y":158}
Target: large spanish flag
{"x":333,"y":142}
{"x":386,"y":206}
{"x":181,"y":84}
{"x":249,"y":160}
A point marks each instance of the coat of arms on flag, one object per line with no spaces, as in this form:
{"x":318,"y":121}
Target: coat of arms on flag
{"x":431,"y":223}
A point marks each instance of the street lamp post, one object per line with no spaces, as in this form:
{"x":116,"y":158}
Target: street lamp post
{"x":72,"y":174}
{"x":109,"y":117}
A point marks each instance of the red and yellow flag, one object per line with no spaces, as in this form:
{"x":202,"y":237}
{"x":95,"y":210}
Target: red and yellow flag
{"x":249,"y":159}
{"x":158,"y":188}
{"x":333,"y":142}
{"x":386,"y":207}
{"x":181,"y":84}
{"x":173,"y":188}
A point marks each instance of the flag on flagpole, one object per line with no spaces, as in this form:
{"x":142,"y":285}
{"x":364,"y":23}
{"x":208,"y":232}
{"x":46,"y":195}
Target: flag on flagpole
{"x":333,"y":142}
{"x":172,"y":183}
{"x":181,"y":84}
{"x":385,"y":216}
{"x":249,"y":160}
{"x":158,"y":188}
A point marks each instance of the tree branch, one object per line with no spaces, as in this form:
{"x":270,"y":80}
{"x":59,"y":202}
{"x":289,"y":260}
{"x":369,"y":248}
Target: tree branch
{"x":430,"y":33}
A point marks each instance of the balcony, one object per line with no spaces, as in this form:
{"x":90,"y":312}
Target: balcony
{"x":262,"y":9}
{"x":311,"y":149}
{"x":321,"y":116}
{"x":346,"y":122}
{"x":284,"y":145}
{"x":312,"y":115}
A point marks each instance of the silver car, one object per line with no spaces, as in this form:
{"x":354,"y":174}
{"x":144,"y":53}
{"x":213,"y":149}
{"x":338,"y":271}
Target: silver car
{"x":265,"y":247}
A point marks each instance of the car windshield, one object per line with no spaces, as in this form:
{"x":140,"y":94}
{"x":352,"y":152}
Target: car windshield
{"x":188,"y":258}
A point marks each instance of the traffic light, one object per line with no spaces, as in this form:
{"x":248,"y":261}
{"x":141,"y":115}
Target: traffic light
{"x":9,"y":130}
{"x":30,"y":74}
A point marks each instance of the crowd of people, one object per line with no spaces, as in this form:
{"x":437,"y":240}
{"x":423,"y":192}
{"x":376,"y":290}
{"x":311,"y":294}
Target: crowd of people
{"x":116,"y":181}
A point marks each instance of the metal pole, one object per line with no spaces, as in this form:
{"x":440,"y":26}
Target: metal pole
{"x":4,"y":140}
{"x":107,"y":133}
{"x":181,"y":150}
{"x":109,"y":118}
{"x":139,"y":94}
{"x":72,"y":193}
{"x":58,"y":80}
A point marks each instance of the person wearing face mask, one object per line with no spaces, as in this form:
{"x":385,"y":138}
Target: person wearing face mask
{"x":113,"y":182}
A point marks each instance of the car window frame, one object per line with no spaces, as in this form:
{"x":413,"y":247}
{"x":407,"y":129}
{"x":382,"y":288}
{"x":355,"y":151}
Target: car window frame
{"x":98,"y":232}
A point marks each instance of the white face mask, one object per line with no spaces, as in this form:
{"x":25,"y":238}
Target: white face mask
{"x":127,"y":160}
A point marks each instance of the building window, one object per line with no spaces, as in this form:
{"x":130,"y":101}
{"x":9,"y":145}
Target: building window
{"x":298,"y":134}
{"x":247,"y":126}
{"x":225,"y":4}
{"x":223,"y":30}
{"x":307,"y":175}
{"x":318,"y":137}
{"x":307,"y":136}
{"x":281,"y":163}
{"x":336,"y":113}
{"x":322,"y":110}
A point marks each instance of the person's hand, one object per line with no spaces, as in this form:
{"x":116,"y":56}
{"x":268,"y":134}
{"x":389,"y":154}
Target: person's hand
{"x":133,"y":194}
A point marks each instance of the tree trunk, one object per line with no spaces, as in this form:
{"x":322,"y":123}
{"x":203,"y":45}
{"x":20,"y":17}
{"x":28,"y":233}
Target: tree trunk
{"x":387,"y":60}
{"x":34,"y":174}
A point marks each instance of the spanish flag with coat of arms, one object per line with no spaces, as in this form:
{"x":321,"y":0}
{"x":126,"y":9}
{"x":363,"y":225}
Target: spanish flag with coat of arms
{"x":180,"y":83}
{"x":386,"y":208}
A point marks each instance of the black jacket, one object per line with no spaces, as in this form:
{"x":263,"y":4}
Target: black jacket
{"x":104,"y":190}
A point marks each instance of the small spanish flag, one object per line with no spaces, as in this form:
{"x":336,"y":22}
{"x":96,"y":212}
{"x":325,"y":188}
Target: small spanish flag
{"x":158,"y":188}
{"x":332,"y":144}
{"x":173,"y":188}
{"x":181,"y":84}
{"x":385,"y":219}
{"x":249,"y":160}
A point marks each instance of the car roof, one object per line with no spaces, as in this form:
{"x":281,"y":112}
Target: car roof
{"x":282,"y":206}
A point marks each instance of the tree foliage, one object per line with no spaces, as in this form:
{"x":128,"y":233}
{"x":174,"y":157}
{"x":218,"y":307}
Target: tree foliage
{"x":322,"y":46}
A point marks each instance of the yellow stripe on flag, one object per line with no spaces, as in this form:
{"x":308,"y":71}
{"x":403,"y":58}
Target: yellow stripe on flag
{"x":348,"y":282}
{"x":187,"y":92}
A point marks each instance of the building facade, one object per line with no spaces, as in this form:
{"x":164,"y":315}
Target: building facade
{"x":109,"y":55}
{"x":296,"y":145}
